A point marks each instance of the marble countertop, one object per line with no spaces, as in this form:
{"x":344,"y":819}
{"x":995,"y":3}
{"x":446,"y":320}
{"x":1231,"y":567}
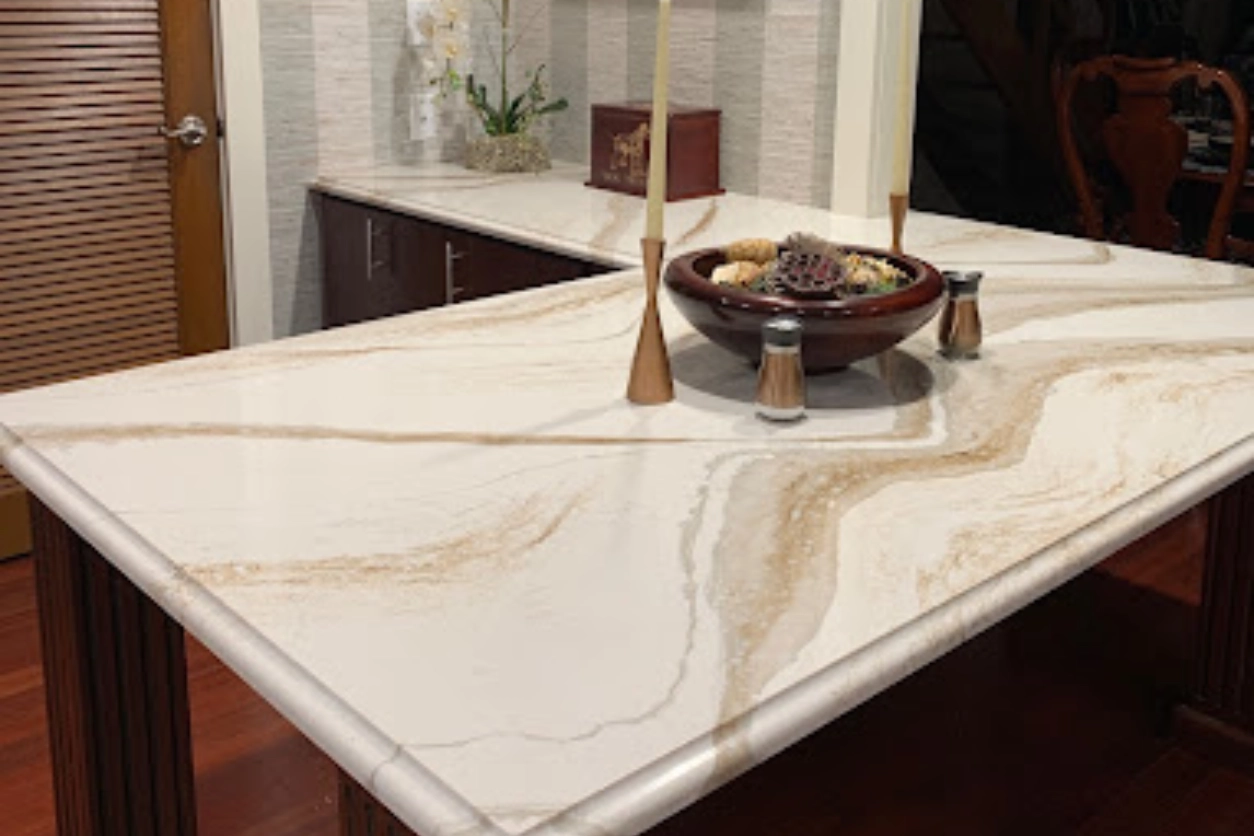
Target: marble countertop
{"x":556,"y":211}
{"x":506,"y":601}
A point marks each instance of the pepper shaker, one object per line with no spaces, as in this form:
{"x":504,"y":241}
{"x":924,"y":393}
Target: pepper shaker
{"x":960,"y":330}
{"x":781,"y":378}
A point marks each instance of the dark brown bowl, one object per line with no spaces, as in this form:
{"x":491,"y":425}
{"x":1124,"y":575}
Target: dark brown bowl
{"x":837,"y":331}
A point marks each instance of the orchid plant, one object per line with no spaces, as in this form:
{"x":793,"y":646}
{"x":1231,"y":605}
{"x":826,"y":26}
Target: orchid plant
{"x":500,"y":112}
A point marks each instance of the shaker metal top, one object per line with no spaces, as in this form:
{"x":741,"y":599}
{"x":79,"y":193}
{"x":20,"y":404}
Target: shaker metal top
{"x":965,"y":283}
{"x":782,"y":332}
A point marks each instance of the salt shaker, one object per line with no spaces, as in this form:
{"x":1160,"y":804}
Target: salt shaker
{"x":781,"y":378}
{"x":960,"y":330}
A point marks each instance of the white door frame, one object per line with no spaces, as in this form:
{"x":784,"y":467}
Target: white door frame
{"x":245,"y":189}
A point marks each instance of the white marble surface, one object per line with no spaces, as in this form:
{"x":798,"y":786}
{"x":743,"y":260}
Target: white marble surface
{"x":508,"y":602}
{"x":556,"y":211}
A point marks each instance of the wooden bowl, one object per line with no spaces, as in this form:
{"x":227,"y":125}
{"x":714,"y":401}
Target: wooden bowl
{"x":837,"y":331}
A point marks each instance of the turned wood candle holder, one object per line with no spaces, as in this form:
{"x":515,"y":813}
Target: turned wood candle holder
{"x":898,"y":207}
{"x":651,"y":383}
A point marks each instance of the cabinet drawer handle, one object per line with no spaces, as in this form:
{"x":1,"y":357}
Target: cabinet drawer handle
{"x":451,"y":257}
{"x":373,"y":231}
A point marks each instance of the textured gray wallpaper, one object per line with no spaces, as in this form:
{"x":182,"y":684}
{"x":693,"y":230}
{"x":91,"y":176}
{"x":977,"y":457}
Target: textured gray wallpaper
{"x":762,"y":62}
{"x":568,"y":61}
{"x":739,"y":55}
{"x":391,"y":67}
{"x":291,"y":117}
{"x":337,"y":76}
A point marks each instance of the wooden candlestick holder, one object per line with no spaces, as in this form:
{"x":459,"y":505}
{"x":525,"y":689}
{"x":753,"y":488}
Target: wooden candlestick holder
{"x":898,"y":207}
{"x":651,"y":383}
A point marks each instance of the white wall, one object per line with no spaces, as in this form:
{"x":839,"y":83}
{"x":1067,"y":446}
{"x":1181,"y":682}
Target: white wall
{"x":244,"y":165}
{"x":868,"y":79}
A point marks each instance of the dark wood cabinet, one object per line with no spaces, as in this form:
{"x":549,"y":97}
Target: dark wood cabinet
{"x":377,"y":263}
{"x":479,"y":266}
{"x":374,"y":263}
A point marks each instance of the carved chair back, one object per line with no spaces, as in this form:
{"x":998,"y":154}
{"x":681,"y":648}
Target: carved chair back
{"x":1147,"y":148}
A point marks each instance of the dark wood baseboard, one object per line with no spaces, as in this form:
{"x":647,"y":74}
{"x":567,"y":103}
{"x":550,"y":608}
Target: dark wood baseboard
{"x":115,"y":673}
{"x":1217,"y":742}
{"x":362,"y":815}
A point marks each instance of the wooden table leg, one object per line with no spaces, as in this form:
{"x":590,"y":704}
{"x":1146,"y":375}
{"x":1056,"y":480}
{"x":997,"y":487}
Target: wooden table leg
{"x":116,"y":677}
{"x":1220,"y":720}
{"x":1225,"y":675}
{"x":362,"y":815}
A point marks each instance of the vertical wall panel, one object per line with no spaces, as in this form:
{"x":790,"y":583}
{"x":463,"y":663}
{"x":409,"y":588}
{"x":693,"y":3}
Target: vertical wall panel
{"x":291,"y":115}
{"x":738,"y":90}
{"x":825,"y":106}
{"x":693,"y":32}
{"x":344,"y":90}
{"x":607,"y":64}
{"x":535,"y":47}
{"x":641,"y":36}
{"x":570,"y":39}
{"x":392,"y":67}
{"x":789,"y":94}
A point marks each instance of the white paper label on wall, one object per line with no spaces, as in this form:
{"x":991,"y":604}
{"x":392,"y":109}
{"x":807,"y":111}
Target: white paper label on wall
{"x":439,"y":36}
{"x":424,"y":117}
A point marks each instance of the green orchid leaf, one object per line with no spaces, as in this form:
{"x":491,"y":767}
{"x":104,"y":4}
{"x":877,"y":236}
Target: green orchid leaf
{"x":516,"y":104}
{"x":553,"y":107}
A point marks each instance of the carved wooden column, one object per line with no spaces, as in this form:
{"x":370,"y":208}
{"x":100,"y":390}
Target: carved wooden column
{"x":116,"y":678}
{"x":1224,"y":682}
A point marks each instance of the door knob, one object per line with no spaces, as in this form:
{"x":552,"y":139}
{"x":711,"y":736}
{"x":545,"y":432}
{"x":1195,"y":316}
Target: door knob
{"x":191,"y":131}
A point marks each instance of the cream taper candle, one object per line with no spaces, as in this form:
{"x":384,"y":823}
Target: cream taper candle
{"x":906,"y":77}
{"x":658,"y":135}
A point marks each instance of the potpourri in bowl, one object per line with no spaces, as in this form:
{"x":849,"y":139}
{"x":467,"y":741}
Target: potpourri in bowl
{"x":807,"y":267}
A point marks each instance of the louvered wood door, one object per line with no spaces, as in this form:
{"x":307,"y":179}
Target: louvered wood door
{"x":110,"y":234}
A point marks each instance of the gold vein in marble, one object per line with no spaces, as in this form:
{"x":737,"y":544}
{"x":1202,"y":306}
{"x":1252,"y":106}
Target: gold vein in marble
{"x":403,"y":330}
{"x":690,"y":532}
{"x":1097,"y":252}
{"x":776,"y":567}
{"x":1017,"y":305}
{"x":441,"y":181}
{"x":623,"y":212}
{"x":489,"y":550}
{"x":966,"y":549}
{"x":707,"y":219}
{"x":64,"y":436}
{"x":541,"y":306}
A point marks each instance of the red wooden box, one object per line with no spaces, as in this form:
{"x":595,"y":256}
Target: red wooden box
{"x":620,"y":150}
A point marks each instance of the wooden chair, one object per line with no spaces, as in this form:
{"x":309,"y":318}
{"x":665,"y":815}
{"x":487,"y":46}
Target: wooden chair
{"x":1147,"y":149}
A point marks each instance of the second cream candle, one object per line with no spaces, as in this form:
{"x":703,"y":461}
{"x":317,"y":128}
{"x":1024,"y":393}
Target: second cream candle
{"x":658,"y":133}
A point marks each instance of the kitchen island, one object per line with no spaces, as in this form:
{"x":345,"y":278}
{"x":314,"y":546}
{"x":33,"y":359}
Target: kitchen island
{"x":505,"y":601}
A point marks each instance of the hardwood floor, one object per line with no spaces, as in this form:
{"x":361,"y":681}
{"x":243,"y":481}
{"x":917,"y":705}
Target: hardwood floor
{"x":1180,"y":795}
{"x":255,"y":774}
{"x":1056,"y":722}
